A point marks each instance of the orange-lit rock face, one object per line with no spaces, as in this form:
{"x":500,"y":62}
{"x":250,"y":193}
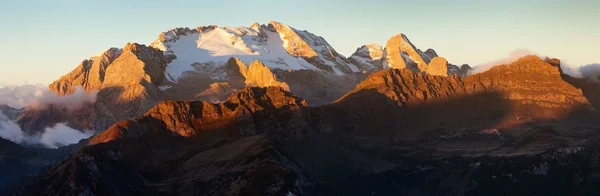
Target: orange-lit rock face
{"x":529,"y":80}
{"x":188,"y":118}
{"x":127,"y":81}
{"x":112,"y":133}
{"x":256,"y":75}
{"x":528,"y":90}
{"x":293,"y":43}
{"x":438,"y":67}
{"x":401,"y":53}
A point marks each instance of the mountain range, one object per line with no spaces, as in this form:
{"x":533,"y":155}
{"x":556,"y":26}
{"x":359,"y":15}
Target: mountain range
{"x":273,"y":110}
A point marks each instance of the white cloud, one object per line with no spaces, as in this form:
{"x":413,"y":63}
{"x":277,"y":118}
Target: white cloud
{"x":10,"y":131}
{"x":37,"y":97}
{"x":62,"y":135}
{"x":52,"y":137}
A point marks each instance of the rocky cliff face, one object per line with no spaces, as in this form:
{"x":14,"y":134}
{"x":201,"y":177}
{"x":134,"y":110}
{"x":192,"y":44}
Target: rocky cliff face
{"x":127,"y":82}
{"x":400,"y":53}
{"x":89,"y":74}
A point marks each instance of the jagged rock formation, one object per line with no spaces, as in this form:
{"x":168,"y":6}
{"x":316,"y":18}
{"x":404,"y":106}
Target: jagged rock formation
{"x":397,"y":132}
{"x":257,"y":74}
{"x":400,"y":53}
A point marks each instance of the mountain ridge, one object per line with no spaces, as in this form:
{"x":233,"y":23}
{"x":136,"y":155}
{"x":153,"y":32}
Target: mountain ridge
{"x":380,"y":128}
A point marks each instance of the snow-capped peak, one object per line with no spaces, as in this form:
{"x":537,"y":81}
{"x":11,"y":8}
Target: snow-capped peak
{"x":368,"y":57}
{"x":276,"y":45}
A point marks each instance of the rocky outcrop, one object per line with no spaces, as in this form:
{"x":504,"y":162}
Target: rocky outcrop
{"x":259,"y":75}
{"x":438,"y":67}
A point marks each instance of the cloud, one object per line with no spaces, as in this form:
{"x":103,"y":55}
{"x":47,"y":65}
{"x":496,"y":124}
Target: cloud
{"x":10,"y":131}
{"x":45,"y":97}
{"x":52,"y":137}
{"x":62,"y":135}
{"x":589,"y":71}
{"x":19,"y":96}
{"x":38,"y":97}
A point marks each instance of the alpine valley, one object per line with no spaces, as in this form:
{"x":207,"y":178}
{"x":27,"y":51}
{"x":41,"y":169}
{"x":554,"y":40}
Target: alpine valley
{"x":272,"y":110}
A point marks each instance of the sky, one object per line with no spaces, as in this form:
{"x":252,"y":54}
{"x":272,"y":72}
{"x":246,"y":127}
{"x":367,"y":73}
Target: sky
{"x":43,"y":40}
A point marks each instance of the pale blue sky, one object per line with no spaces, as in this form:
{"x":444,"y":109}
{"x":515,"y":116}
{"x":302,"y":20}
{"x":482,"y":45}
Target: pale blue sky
{"x":43,"y":39}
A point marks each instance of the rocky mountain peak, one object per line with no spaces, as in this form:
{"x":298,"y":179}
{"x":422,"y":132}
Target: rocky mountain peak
{"x":260,"y":75}
{"x":367,"y":57}
{"x":401,"y":54}
{"x":431,"y":53}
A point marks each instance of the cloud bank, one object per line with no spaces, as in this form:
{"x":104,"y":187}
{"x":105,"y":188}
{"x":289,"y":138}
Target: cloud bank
{"x":52,"y":137}
{"x":31,"y":97}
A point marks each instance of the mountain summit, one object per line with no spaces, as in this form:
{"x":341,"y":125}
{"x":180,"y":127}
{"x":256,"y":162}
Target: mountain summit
{"x":276,"y":45}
